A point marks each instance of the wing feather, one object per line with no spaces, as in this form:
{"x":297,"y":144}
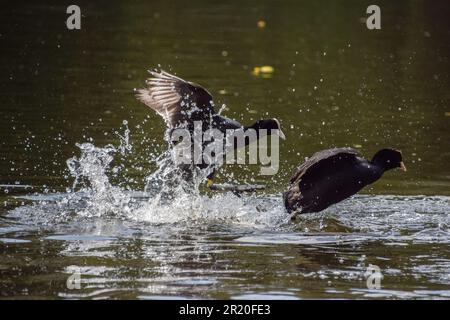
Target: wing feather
{"x":323,"y":163}
{"x":176,"y":100}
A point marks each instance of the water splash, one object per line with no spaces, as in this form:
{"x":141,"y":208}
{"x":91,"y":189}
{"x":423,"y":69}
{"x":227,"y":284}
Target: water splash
{"x":125,"y":145}
{"x":91,"y":186}
{"x":169,"y":195}
{"x":170,"y":198}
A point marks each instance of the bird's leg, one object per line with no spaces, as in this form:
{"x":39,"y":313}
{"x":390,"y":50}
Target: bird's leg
{"x":294,"y":215}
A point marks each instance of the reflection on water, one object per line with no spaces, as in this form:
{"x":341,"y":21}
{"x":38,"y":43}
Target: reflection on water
{"x":242,"y":255}
{"x":332,"y":83}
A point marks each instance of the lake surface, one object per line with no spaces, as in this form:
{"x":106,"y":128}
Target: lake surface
{"x":69,"y":94}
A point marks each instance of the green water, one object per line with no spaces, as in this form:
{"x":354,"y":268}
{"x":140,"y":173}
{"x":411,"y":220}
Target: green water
{"x":335,"y":83}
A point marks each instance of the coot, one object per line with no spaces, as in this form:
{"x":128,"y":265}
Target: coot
{"x":181,"y":103}
{"x":332,"y":175}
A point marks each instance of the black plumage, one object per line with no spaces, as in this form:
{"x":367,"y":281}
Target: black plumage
{"x":332,"y":175}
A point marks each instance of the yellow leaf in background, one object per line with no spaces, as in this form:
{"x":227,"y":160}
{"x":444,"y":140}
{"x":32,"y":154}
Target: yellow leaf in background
{"x":447,"y":114}
{"x":267,"y":69}
{"x":261,"y":24}
{"x":256,"y":71}
{"x":223,"y":91}
{"x":264,"y":71}
{"x":357,"y":146}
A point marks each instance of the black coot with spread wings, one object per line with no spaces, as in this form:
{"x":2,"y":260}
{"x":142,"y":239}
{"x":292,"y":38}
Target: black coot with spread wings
{"x":181,"y":103}
{"x":332,"y":175}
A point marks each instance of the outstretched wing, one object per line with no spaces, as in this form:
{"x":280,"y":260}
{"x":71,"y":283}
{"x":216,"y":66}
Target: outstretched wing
{"x":175,"y":99}
{"x":322,"y":164}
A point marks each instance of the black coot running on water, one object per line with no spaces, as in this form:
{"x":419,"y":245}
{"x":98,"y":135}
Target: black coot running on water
{"x":181,"y":103}
{"x":332,"y":175}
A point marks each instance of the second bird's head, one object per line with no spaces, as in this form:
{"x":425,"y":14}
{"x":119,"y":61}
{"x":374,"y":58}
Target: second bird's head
{"x":269,"y":124}
{"x":389,"y":159}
